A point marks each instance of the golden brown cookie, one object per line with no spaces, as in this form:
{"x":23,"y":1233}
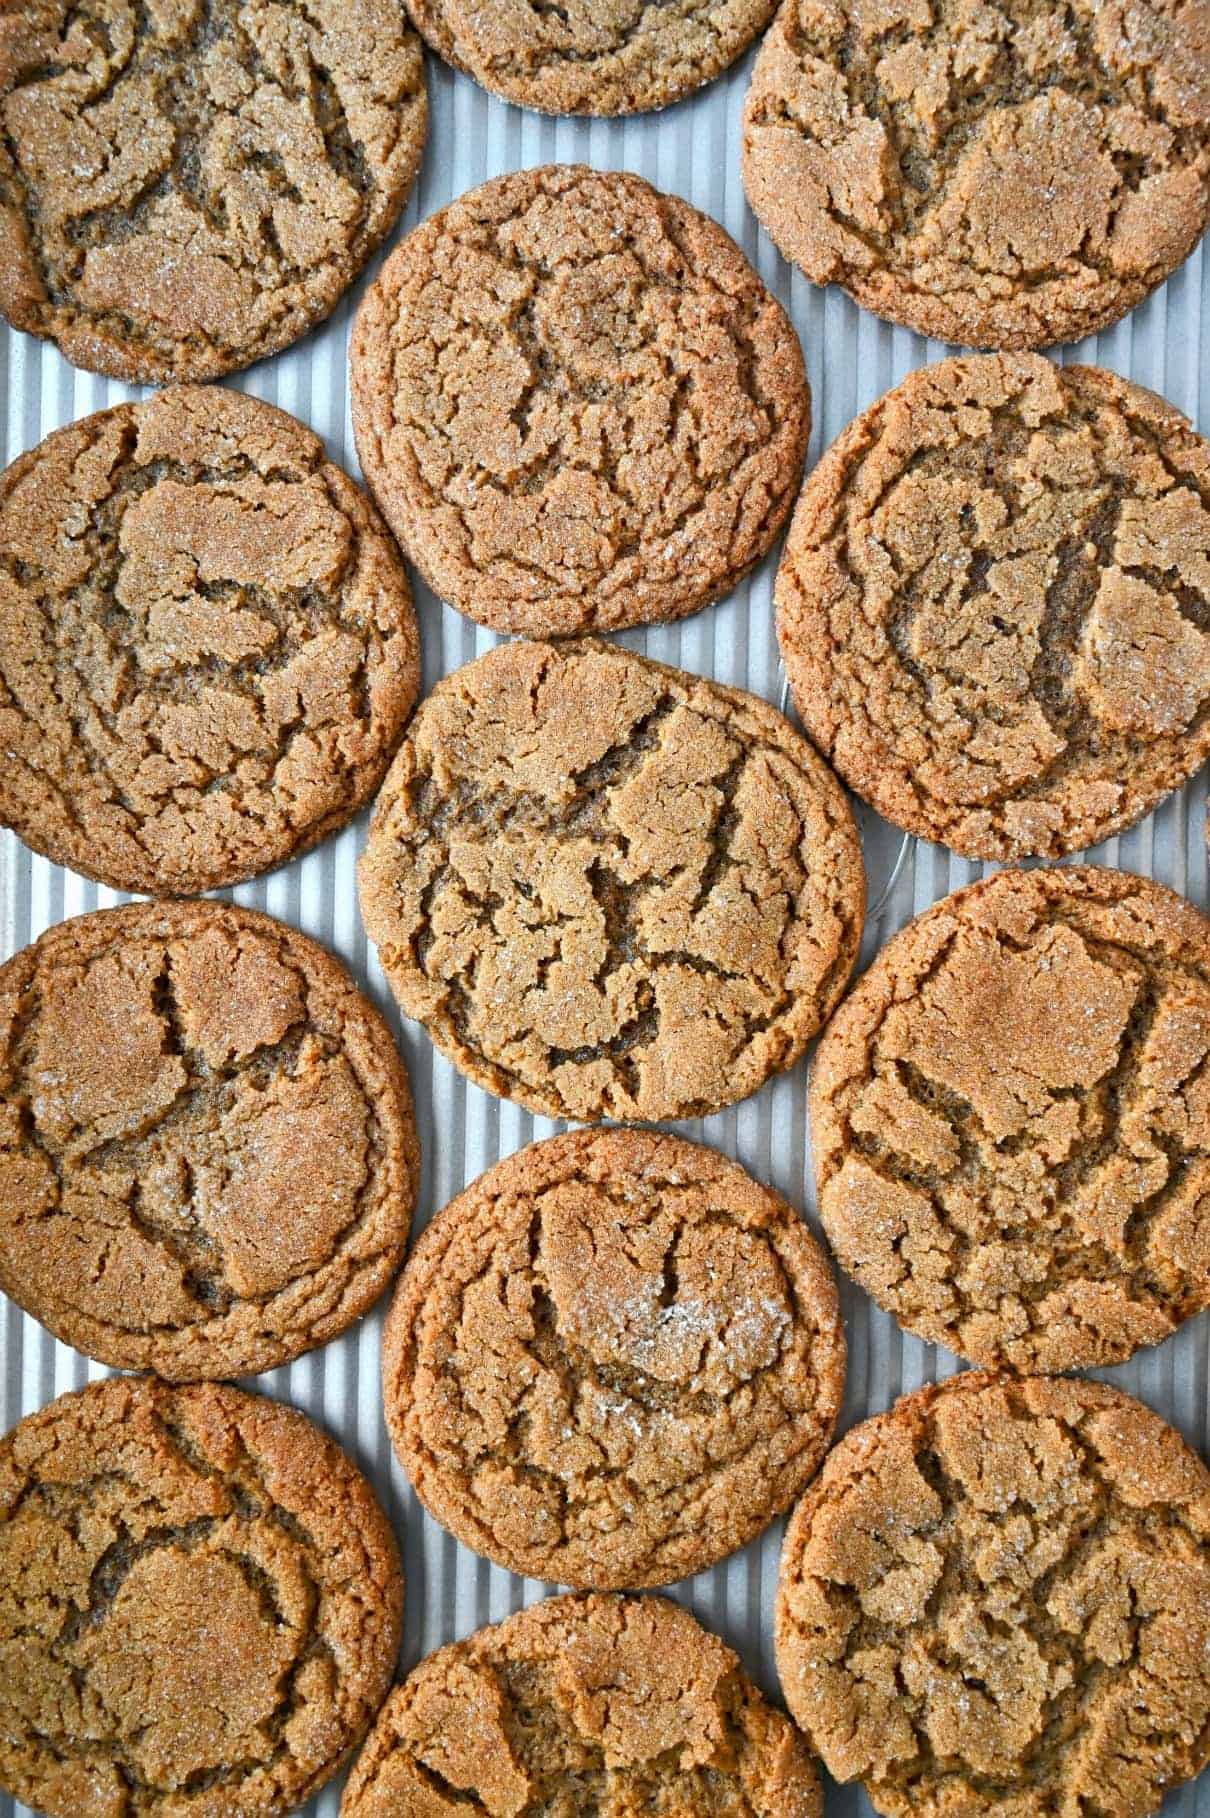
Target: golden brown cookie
{"x":995,"y":1598}
{"x":994,"y":604}
{"x":1007,"y":173}
{"x":613,"y":1360}
{"x":581,"y":1705}
{"x":576,"y":403}
{"x":591,"y":56}
{"x":608,"y":888}
{"x":208,"y":1157}
{"x":207,"y":643}
{"x":1010,"y":1120}
{"x":186,"y":187}
{"x":200,"y":1604}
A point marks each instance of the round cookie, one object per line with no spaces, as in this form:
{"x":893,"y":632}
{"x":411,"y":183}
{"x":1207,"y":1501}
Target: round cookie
{"x":1010,"y":1120}
{"x":207,"y":644}
{"x":576,"y":403}
{"x":591,"y":56}
{"x":608,"y":888}
{"x":613,"y":1360}
{"x":994,"y":605}
{"x":187,"y":188}
{"x":200,"y":1604}
{"x":1010,"y":174}
{"x":996,"y":1599}
{"x":578,"y":1704}
{"x":208,"y":1157}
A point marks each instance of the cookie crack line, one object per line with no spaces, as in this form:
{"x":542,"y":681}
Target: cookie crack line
{"x":230,"y":175}
{"x":576,"y":403}
{"x":550,"y":927}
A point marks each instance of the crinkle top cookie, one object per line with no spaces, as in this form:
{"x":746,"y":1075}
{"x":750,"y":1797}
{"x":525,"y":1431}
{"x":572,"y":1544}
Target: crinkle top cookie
{"x":608,"y":888}
{"x":592,"y":56}
{"x":994,"y":604}
{"x":1010,"y":1119}
{"x":576,"y":403}
{"x":200,"y":1604}
{"x":995,"y":1598}
{"x":613,"y":1360}
{"x":584,"y":1704}
{"x":208,"y":1157}
{"x":1000,"y":173}
{"x":190,"y":185}
{"x":207,"y":643}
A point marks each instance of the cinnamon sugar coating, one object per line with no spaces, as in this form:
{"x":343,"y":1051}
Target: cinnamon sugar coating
{"x":190,"y":185}
{"x":207,"y":643}
{"x":591,"y":56}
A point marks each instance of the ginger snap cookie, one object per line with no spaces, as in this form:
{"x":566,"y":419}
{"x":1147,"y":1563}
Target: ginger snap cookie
{"x":584,"y":1704}
{"x":591,"y":56}
{"x":994,"y":604}
{"x":185,"y":188}
{"x":613,"y":1360}
{"x":576,"y":403}
{"x":200,"y":1604}
{"x":996,"y":1598}
{"x":608,"y":888}
{"x":207,"y":643}
{"x":208,"y":1157}
{"x":1008,"y":174}
{"x":1010,"y":1119}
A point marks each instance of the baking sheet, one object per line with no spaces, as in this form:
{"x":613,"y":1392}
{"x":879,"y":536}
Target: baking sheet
{"x":692,"y":150}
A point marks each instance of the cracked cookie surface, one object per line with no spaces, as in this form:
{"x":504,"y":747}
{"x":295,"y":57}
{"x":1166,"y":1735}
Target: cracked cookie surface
{"x":200,"y":1604}
{"x":207,"y":643}
{"x":208,"y":1156}
{"x":613,"y":1360}
{"x":608,"y":888}
{"x":591,"y":56}
{"x":996,"y":1598}
{"x":994,"y":604}
{"x":1000,"y":173}
{"x":584,"y":1707}
{"x":576,"y":403}
{"x":1010,"y":1120}
{"x":189,"y":186}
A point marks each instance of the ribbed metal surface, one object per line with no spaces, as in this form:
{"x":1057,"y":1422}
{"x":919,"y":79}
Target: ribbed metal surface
{"x":693,"y":150}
